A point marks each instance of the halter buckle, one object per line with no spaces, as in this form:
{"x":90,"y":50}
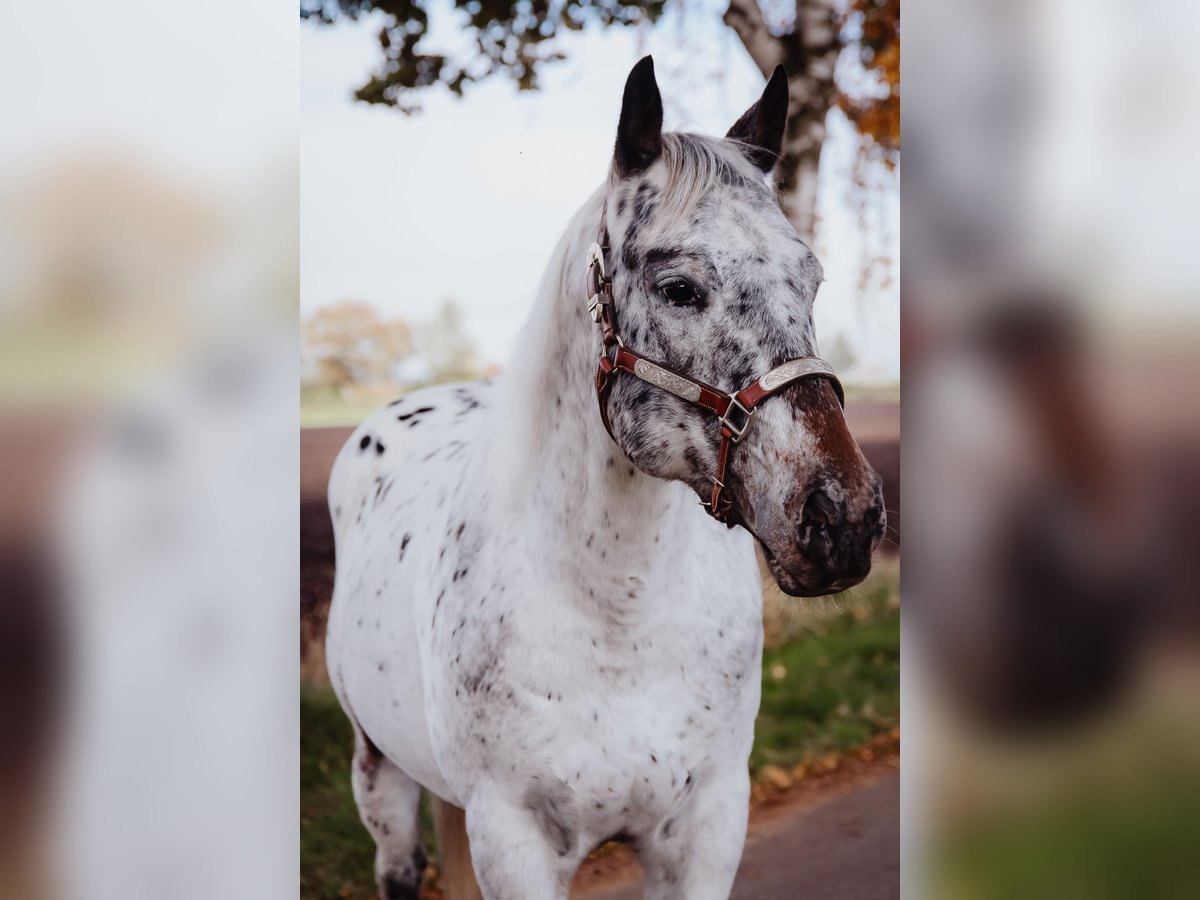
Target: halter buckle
{"x":736,"y":430}
{"x":598,"y":282}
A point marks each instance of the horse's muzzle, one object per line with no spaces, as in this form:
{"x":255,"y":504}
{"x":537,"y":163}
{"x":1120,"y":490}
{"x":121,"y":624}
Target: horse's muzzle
{"x":832,"y":543}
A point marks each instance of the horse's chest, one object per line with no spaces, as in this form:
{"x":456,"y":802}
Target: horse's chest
{"x":627,"y":709}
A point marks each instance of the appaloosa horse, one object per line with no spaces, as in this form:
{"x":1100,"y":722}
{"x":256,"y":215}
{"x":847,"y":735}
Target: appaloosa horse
{"x":533,"y":618}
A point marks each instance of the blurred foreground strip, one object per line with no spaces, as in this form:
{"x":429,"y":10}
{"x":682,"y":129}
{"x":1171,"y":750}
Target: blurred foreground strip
{"x":148,"y":558}
{"x":1052,"y":451}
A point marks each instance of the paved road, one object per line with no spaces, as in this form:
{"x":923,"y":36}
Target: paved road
{"x":847,"y":848}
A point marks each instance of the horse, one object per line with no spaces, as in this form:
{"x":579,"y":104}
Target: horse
{"x":532,"y":619}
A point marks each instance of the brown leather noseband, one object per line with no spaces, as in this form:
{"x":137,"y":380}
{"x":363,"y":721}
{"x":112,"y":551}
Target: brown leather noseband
{"x":735,"y":411}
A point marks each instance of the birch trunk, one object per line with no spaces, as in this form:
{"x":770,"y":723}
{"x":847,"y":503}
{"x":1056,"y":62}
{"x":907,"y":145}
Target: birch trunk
{"x":809,"y":53}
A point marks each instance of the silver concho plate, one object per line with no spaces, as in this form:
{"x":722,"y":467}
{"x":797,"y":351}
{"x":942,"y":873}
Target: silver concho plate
{"x":792,"y":369}
{"x":668,"y":381}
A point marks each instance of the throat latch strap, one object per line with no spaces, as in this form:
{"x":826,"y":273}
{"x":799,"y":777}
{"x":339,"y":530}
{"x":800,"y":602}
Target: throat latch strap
{"x":734,"y":411}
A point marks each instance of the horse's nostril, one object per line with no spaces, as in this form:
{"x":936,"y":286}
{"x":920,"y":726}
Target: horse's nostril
{"x":821,"y":512}
{"x":821,"y":509}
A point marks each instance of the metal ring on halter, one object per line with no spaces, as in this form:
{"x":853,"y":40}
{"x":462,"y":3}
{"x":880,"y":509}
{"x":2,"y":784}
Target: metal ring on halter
{"x":737,"y":432}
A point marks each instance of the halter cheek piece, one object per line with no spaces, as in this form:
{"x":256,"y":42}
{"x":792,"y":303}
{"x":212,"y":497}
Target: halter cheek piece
{"x":735,"y":411}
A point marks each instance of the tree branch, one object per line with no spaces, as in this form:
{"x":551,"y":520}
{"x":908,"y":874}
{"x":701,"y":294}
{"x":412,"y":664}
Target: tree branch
{"x":746,"y":19}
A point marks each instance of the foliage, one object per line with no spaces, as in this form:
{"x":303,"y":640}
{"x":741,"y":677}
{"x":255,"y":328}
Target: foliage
{"x":445,"y":348}
{"x":350,"y":343}
{"x":515,"y":38}
{"x":355,"y":359}
{"x":840,"y":353}
{"x":875,"y":111}
{"x":508,"y":37}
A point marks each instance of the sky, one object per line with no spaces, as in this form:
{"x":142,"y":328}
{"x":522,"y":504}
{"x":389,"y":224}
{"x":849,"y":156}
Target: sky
{"x":150,"y":79}
{"x":466,"y":199}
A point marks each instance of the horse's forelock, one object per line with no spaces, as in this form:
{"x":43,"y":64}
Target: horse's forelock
{"x":693,"y":165}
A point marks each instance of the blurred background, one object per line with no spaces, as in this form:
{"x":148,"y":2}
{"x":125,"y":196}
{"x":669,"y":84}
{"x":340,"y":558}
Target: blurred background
{"x":148,"y":326}
{"x":445,"y":148}
{"x":1050,"y":459}
{"x":154,"y":209}
{"x":438,"y":175}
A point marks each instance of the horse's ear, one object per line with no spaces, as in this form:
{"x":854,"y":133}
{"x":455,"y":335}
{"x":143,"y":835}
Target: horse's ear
{"x":760,"y":129}
{"x":639,"y":132}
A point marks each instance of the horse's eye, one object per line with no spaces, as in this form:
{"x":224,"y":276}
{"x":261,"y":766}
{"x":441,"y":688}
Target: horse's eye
{"x":678,"y":292}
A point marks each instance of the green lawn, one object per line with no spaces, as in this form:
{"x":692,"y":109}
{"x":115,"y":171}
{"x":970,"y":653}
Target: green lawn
{"x":838,"y":687}
{"x":1093,"y":836}
{"x":324,"y":415}
{"x":834,"y":683}
{"x":336,"y":853}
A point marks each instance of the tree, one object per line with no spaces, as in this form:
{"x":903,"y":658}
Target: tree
{"x":840,"y":354}
{"x":809,"y":40}
{"x":445,"y":347}
{"x":350,"y":344}
{"x":511,"y":37}
{"x":843,"y":53}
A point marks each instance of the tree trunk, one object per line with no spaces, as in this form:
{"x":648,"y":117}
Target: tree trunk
{"x":809,"y":53}
{"x":797,"y":172}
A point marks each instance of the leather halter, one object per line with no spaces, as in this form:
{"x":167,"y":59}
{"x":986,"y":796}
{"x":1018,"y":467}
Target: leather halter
{"x":735,"y":411}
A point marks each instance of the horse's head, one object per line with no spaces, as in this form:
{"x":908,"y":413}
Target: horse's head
{"x":709,"y":278}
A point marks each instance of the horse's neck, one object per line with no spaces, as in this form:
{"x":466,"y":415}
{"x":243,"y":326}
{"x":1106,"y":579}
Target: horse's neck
{"x":559,"y":473}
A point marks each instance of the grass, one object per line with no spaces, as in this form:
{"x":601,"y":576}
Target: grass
{"x":1091,"y":839}
{"x":831,"y":682}
{"x":336,"y":852}
{"x":329,"y":414}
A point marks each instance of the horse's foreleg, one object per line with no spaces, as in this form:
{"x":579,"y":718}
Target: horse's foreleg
{"x":514,"y":857}
{"x":695,"y":856}
{"x":389,"y":803}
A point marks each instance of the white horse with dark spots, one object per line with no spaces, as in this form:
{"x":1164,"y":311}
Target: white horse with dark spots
{"x":533,"y":617}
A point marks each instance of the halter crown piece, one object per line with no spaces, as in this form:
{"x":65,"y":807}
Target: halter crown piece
{"x":735,"y":411}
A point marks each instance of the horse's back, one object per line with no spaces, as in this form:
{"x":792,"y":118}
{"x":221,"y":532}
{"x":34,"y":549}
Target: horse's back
{"x":388,"y":492}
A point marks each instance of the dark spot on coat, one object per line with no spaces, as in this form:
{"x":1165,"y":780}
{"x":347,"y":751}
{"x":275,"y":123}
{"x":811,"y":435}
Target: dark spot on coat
{"x":416,"y":412}
{"x":367,"y":757}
